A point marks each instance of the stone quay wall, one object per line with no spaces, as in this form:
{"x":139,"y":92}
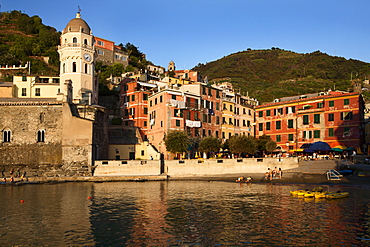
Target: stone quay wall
{"x":188,"y":168}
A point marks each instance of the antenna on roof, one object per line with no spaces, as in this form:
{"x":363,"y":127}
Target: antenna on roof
{"x":79,"y":10}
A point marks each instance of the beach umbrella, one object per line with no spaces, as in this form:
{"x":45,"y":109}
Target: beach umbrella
{"x":306,"y":145}
{"x":350,"y":149}
{"x":320,"y":146}
{"x":337,"y":150}
{"x":307,"y":150}
{"x":340,"y":146}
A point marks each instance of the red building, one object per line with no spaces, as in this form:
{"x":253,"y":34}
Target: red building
{"x":333,"y":117}
{"x":134,"y":103}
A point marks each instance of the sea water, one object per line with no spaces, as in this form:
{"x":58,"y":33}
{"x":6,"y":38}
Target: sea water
{"x":180,"y":213}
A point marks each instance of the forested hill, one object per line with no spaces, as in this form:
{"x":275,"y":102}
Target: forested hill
{"x":24,"y":38}
{"x":275,"y":73}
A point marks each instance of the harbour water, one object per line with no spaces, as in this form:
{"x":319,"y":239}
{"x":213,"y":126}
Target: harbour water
{"x":180,"y":213}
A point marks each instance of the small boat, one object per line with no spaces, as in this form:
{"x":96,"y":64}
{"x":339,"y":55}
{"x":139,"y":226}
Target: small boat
{"x":337,"y":195}
{"x":312,"y":194}
{"x":345,"y":172}
{"x":295,"y":192}
{"x":321,"y":195}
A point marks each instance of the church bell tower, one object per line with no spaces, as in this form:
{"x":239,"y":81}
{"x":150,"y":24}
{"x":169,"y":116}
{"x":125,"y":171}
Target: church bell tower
{"x":77,"y":62}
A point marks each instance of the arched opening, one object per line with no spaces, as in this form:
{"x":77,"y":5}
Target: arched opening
{"x":74,"y":67}
{"x":74,"y":40}
{"x":7,"y":135}
{"x":41,"y":136}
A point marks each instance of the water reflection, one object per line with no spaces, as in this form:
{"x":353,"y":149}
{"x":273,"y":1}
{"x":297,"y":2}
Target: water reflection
{"x":178,"y":214}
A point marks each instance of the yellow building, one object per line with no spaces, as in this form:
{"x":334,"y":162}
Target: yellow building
{"x":35,"y":87}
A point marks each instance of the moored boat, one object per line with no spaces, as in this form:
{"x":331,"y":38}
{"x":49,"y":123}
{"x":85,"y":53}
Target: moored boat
{"x":337,"y":195}
{"x":295,"y":192}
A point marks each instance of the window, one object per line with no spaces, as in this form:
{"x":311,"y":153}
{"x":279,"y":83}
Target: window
{"x":161,"y":99}
{"x":260,"y":114}
{"x":145,"y":97}
{"x":64,"y":67}
{"x":41,"y":136}
{"x":74,"y":67}
{"x":278,"y":125}
{"x":268,"y":126}
{"x":145,"y":110}
{"x":331,"y":132}
{"x":74,"y":40}
{"x":217,"y":106}
{"x":278,"y":138}
{"x":305,"y":119}
{"x":209,"y":91}
{"x":205,"y":118}
{"x":346,"y":132}
{"x":37,"y":92}
{"x":331,"y":103}
{"x":145,"y":123}
{"x":346,"y":102}
{"x":133,"y":97}
{"x":209,"y":132}
{"x":260,"y":126}
{"x":316,"y":134}
{"x":217,"y":120}
{"x":85,"y":41}
{"x":24,"y":78}
{"x":177,"y":123}
{"x":307,"y":134}
{"x":316,"y":118}
{"x":174,"y":97}
{"x":6,"y":135}
{"x":290,"y":137}
{"x":331,"y":117}
{"x":218,"y":94}
{"x":100,"y":43}
{"x":85,"y":68}
{"x":100,"y":52}
{"x":24,"y":91}
{"x":290,"y":123}
{"x":204,"y":91}
{"x":346,"y":115}
{"x":320,"y":105}
{"x":268,"y":113}
{"x":132,"y":111}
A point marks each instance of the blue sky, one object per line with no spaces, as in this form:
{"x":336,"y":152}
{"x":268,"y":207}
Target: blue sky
{"x":200,"y":31}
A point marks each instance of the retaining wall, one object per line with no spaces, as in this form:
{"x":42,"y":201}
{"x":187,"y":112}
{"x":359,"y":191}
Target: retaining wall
{"x":183,"y":168}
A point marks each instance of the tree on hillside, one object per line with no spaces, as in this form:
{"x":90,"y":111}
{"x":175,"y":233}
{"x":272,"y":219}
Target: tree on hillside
{"x":176,"y":141}
{"x":242,"y":144}
{"x":210,"y":144}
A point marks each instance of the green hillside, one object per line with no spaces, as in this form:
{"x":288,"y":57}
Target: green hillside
{"x":275,"y":73}
{"x":24,"y":38}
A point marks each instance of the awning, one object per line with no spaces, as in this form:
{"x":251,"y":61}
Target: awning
{"x":147,"y":84}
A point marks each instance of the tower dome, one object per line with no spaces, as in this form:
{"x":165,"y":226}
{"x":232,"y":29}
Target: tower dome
{"x":77,"y":25}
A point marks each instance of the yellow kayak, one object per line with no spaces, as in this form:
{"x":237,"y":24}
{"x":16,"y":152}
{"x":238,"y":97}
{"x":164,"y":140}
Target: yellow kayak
{"x":295,"y":192}
{"x":312,"y":194}
{"x":337,"y":195}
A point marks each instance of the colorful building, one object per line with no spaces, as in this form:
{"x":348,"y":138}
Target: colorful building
{"x":333,"y":117}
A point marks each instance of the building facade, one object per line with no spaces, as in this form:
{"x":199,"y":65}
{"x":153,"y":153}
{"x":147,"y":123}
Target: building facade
{"x":333,"y":117}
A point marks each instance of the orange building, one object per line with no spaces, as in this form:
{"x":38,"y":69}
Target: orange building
{"x":333,"y":117}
